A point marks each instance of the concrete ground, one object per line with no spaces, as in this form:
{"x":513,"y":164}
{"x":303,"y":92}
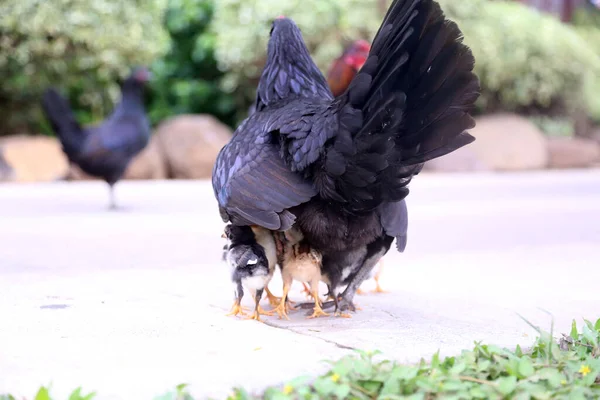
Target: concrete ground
{"x":131,"y":303}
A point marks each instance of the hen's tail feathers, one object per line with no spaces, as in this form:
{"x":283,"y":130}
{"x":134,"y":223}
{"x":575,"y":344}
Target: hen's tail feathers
{"x":409,"y":103}
{"x":62,"y":120}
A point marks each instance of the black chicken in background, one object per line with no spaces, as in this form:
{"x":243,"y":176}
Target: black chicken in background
{"x":103,"y":151}
{"x":338,"y":168}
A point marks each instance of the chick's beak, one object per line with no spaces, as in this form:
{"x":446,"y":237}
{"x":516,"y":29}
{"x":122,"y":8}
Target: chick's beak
{"x":223,"y":235}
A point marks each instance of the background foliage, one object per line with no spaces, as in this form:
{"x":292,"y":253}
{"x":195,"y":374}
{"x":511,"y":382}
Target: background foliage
{"x":207,"y":55}
{"x":186,"y":79}
{"x":84,"y":47}
{"x":242,"y":31}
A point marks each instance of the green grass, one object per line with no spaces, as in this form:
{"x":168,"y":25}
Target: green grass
{"x":567,"y":369}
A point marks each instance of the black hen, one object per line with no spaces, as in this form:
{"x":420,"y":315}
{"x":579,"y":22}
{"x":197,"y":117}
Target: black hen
{"x":103,"y":151}
{"x":339,"y":168}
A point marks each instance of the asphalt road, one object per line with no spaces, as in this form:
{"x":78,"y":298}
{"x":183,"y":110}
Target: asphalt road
{"x":131,"y":303}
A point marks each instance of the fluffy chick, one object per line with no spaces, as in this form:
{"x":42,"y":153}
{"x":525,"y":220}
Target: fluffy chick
{"x":265,"y":238}
{"x":249,"y":267}
{"x":301,"y":263}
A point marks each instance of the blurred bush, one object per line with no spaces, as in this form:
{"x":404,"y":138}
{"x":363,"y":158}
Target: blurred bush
{"x":527,"y":61}
{"x":587,"y":24}
{"x":186,"y":79}
{"x":242,"y":32}
{"x":82,"y":46}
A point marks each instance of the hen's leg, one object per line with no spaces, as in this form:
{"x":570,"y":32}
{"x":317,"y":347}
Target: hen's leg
{"x":375,"y":251}
{"x":112,"y":205}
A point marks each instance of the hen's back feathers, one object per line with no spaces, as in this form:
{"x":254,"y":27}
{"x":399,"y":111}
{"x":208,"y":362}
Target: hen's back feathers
{"x":409,"y":103}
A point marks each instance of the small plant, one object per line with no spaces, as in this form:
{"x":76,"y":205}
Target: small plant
{"x":549,"y":370}
{"x":565,"y":369}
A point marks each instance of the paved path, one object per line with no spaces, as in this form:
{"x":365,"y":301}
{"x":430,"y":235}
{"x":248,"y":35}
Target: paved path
{"x":131,"y":303}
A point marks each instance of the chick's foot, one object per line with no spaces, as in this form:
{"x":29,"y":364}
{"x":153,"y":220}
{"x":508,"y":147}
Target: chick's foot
{"x":236,"y":309}
{"x":318,"y":311}
{"x":378,"y":288}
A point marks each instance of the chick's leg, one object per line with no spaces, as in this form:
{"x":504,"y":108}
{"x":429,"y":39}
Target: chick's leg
{"x":317,"y":311}
{"x":281,"y":309}
{"x":306,"y":290}
{"x":258,"y":310}
{"x":273,"y":300}
{"x":237,"y":306}
{"x":378,"y":288}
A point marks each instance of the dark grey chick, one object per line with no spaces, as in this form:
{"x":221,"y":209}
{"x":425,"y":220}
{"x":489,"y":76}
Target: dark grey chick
{"x":249,"y":268}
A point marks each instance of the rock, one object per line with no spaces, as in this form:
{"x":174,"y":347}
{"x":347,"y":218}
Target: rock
{"x":595,"y":135}
{"x":461,"y":160}
{"x":573,"y":153}
{"x":508,"y":142}
{"x":34,"y":158}
{"x":6,"y":172}
{"x":149,"y":164}
{"x":190,"y":145}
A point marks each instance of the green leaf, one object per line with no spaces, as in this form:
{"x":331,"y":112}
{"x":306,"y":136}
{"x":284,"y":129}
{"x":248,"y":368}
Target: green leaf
{"x":506,"y":385}
{"x":553,"y":376}
{"x":574,"y":333}
{"x":342,"y":391}
{"x":370,"y":386}
{"x":526,"y":368}
{"x":324,"y":386}
{"x":597,"y":325}
{"x":590,"y":335}
{"x":458,"y":368}
{"x":405,"y":372}
{"x":76,"y":395}
{"x":391,"y":386}
{"x":518,"y":351}
{"x":577,"y":393}
{"x":477,"y":392}
{"x":43,"y":394}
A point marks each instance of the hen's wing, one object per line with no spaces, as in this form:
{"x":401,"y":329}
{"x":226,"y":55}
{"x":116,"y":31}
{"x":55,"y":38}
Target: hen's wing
{"x":251,"y":182}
